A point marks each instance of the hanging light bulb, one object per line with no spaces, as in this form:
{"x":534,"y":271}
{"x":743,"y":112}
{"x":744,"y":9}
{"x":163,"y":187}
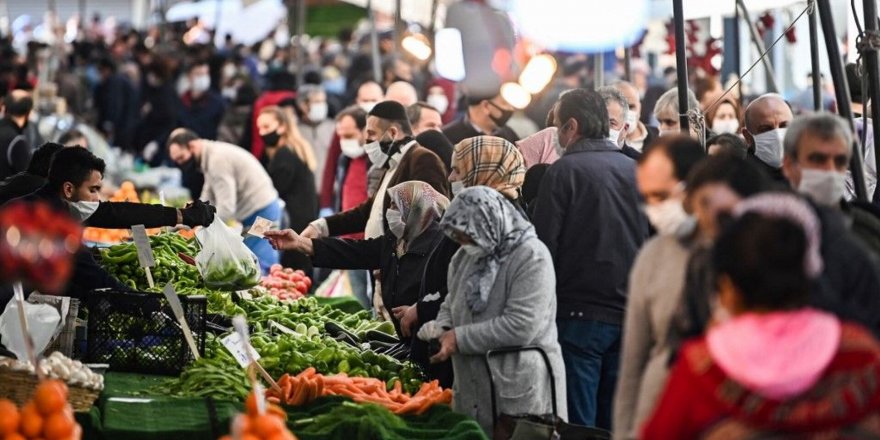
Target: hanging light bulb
{"x":515,"y":95}
{"x":538,"y":73}
{"x":417,"y":45}
{"x":449,"y":56}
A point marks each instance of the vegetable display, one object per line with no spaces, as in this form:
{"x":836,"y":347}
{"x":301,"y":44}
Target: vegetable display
{"x":58,"y":366}
{"x":308,"y":386}
{"x":46,"y":416}
{"x":170,"y":251}
{"x":286,"y":284}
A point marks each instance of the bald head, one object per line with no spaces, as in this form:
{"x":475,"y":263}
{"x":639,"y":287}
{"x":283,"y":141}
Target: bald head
{"x":402,"y":92}
{"x":369,"y":92}
{"x":18,"y":105}
{"x":767,"y":112}
{"x":632,"y":96}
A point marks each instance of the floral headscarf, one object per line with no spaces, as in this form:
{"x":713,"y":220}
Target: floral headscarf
{"x":541,"y":147}
{"x":419,"y":204}
{"x":494,"y":225}
{"x":490,"y":161}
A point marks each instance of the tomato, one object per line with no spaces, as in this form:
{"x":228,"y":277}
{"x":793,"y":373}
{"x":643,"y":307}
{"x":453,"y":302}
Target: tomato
{"x":308,"y":282}
{"x":301,"y":287}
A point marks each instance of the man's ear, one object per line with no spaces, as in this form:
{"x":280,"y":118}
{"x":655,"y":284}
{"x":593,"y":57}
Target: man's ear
{"x":750,"y":140}
{"x":68,"y":189}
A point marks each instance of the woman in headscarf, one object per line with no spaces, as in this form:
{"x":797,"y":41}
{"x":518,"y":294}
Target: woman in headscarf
{"x":501,"y":294}
{"x":489,"y":161}
{"x":540,"y":148}
{"x":412,"y":233}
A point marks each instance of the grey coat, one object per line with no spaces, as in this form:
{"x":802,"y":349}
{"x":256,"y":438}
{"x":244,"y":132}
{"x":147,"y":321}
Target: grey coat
{"x":521,"y":310}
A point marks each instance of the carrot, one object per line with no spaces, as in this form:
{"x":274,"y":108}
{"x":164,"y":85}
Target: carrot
{"x":308,"y":372}
{"x":335,"y":380}
{"x":369,"y":399}
{"x":273,"y":399}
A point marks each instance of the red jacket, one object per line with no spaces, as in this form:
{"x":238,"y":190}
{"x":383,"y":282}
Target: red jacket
{"x":700,"y":401}
{"x":272,"y":97}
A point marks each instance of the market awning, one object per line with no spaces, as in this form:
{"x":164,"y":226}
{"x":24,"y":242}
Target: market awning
{"x":247,"y":24}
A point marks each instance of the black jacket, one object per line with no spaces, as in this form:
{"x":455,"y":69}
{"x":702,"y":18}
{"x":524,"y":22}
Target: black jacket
{"x":19,"y":185}
{"x":588,"y":215}
{"x":775,"y":174}
{"x":461,"y":129}
{"x":402,"y":276}
{"x":295,"y":184}
{"x":15,"y":150}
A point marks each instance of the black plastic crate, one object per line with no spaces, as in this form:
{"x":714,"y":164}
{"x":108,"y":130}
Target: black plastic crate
{"x":137,"y":332}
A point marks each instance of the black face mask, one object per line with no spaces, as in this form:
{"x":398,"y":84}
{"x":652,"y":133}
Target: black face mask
{"x":189,"y":165}
{"x":500,"y":121}
{"x":271,"y":139}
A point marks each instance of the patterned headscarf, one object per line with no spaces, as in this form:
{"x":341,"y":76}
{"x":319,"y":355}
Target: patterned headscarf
{"x":792,"y":208}
{"x":541,"y":147}
{"x":493,"y":224}
{"x":419,"y":204}
{"x":490,"y":161}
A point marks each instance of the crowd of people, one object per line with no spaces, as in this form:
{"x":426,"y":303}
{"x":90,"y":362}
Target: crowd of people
{"x":677,"y":289}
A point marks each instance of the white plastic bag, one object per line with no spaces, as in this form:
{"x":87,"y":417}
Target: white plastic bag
{"x":224,"y":261}
{"x":43,"y":321}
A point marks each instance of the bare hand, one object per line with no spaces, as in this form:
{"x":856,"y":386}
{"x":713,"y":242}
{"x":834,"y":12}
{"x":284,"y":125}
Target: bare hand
{"x":448,"y":347}
{"x":310,"y":232}
{"x":287,"y":240}
{"x":408,"y":317}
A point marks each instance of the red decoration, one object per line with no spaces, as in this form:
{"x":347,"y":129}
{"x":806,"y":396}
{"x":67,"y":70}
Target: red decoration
{"x":36,"y":244}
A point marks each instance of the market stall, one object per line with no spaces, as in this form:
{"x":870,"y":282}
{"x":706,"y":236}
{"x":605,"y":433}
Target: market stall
{"x":163,"y":361}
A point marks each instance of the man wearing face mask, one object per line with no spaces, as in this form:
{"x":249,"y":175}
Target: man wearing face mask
{"x":588,"y":215}
{"x":667,"y":112}
{"x":235,"y":182}
{"x":390,"y":146}
{"x":349,"y":185}
{"x":818,"y":148}
{"x":311,"y":101}
{"x":637,"y":135}
{"x":368,"y":95}
{"x":766,"y":119}
{"x":203,"y":108}
{"x":484,"y":116}
{"x":15,"y":151}
{"x":74,"y":184}
{"x":424,"y":117}
{"x":618,"y":117}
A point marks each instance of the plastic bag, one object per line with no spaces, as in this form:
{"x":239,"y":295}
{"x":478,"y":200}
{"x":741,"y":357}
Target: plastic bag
{"x":224,"y":261}
{"x":43,"y":322}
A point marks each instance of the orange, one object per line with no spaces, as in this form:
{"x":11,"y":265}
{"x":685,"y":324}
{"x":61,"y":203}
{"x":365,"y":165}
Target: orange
{"x":267,"y":425}
{"x":31,"y":421}
{"x":251,"y":404}
{"x":50,"y":397}
{"x":58,"y":426}
{"x":249,"y":437}
{"x":9,"y":417}
{"x":283,"y":435}
{"x":14,"y":436}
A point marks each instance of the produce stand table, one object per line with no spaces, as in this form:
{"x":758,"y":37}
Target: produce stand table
{"x":123,"y":412}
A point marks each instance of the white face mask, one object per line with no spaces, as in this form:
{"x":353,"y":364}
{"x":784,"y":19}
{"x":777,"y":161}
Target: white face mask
{"x":474,"y":250}
{"x":229,"y":71}
{"x":374,"y":152}
{"x":200,"y":84}
{"x":663,"y":133}
{"x":367,"y":106}
{"x":633,"y":124}
{"x":318,"y":111}
{"x":457,"y":187}
{"x":824,"y":187}
{"x":667,"y":217}
{"x":82,"y":210}
{"x":721,"y":126}
{"x":351,"y":148}
{"x":768,"y":147}
{"x":395,"y":222}
{"x":440,"y":102}
{"x":613,"y":135}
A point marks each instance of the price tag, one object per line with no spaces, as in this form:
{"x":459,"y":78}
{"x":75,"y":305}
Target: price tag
{"x":142,"y":242}
{"x":282,"y":328}
{"x":177,"y":308}
{"x":162,"y":198}
{"x":260,"y":226}
{"x":234,"y":344}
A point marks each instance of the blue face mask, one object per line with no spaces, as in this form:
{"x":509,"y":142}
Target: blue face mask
{"x":335,"y":86}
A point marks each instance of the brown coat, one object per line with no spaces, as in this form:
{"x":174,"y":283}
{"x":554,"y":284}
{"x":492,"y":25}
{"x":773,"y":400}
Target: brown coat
{"x":418,"y":163}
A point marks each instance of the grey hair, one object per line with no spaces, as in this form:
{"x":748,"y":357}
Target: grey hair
{"x":825,"y":125}
{"x":669,"y":100}
{"x":306,"y":91}
{"x":612,"y":94}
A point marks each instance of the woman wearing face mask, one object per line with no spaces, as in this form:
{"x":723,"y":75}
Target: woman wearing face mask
{"x":412,"y":236}
{"x":441,"y":95}
{"x":770,"y":365}
{"x":501,"y":294}
{"x":725,"y":117}
{"x":489,"y":161}
{"x":290,"y":162}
